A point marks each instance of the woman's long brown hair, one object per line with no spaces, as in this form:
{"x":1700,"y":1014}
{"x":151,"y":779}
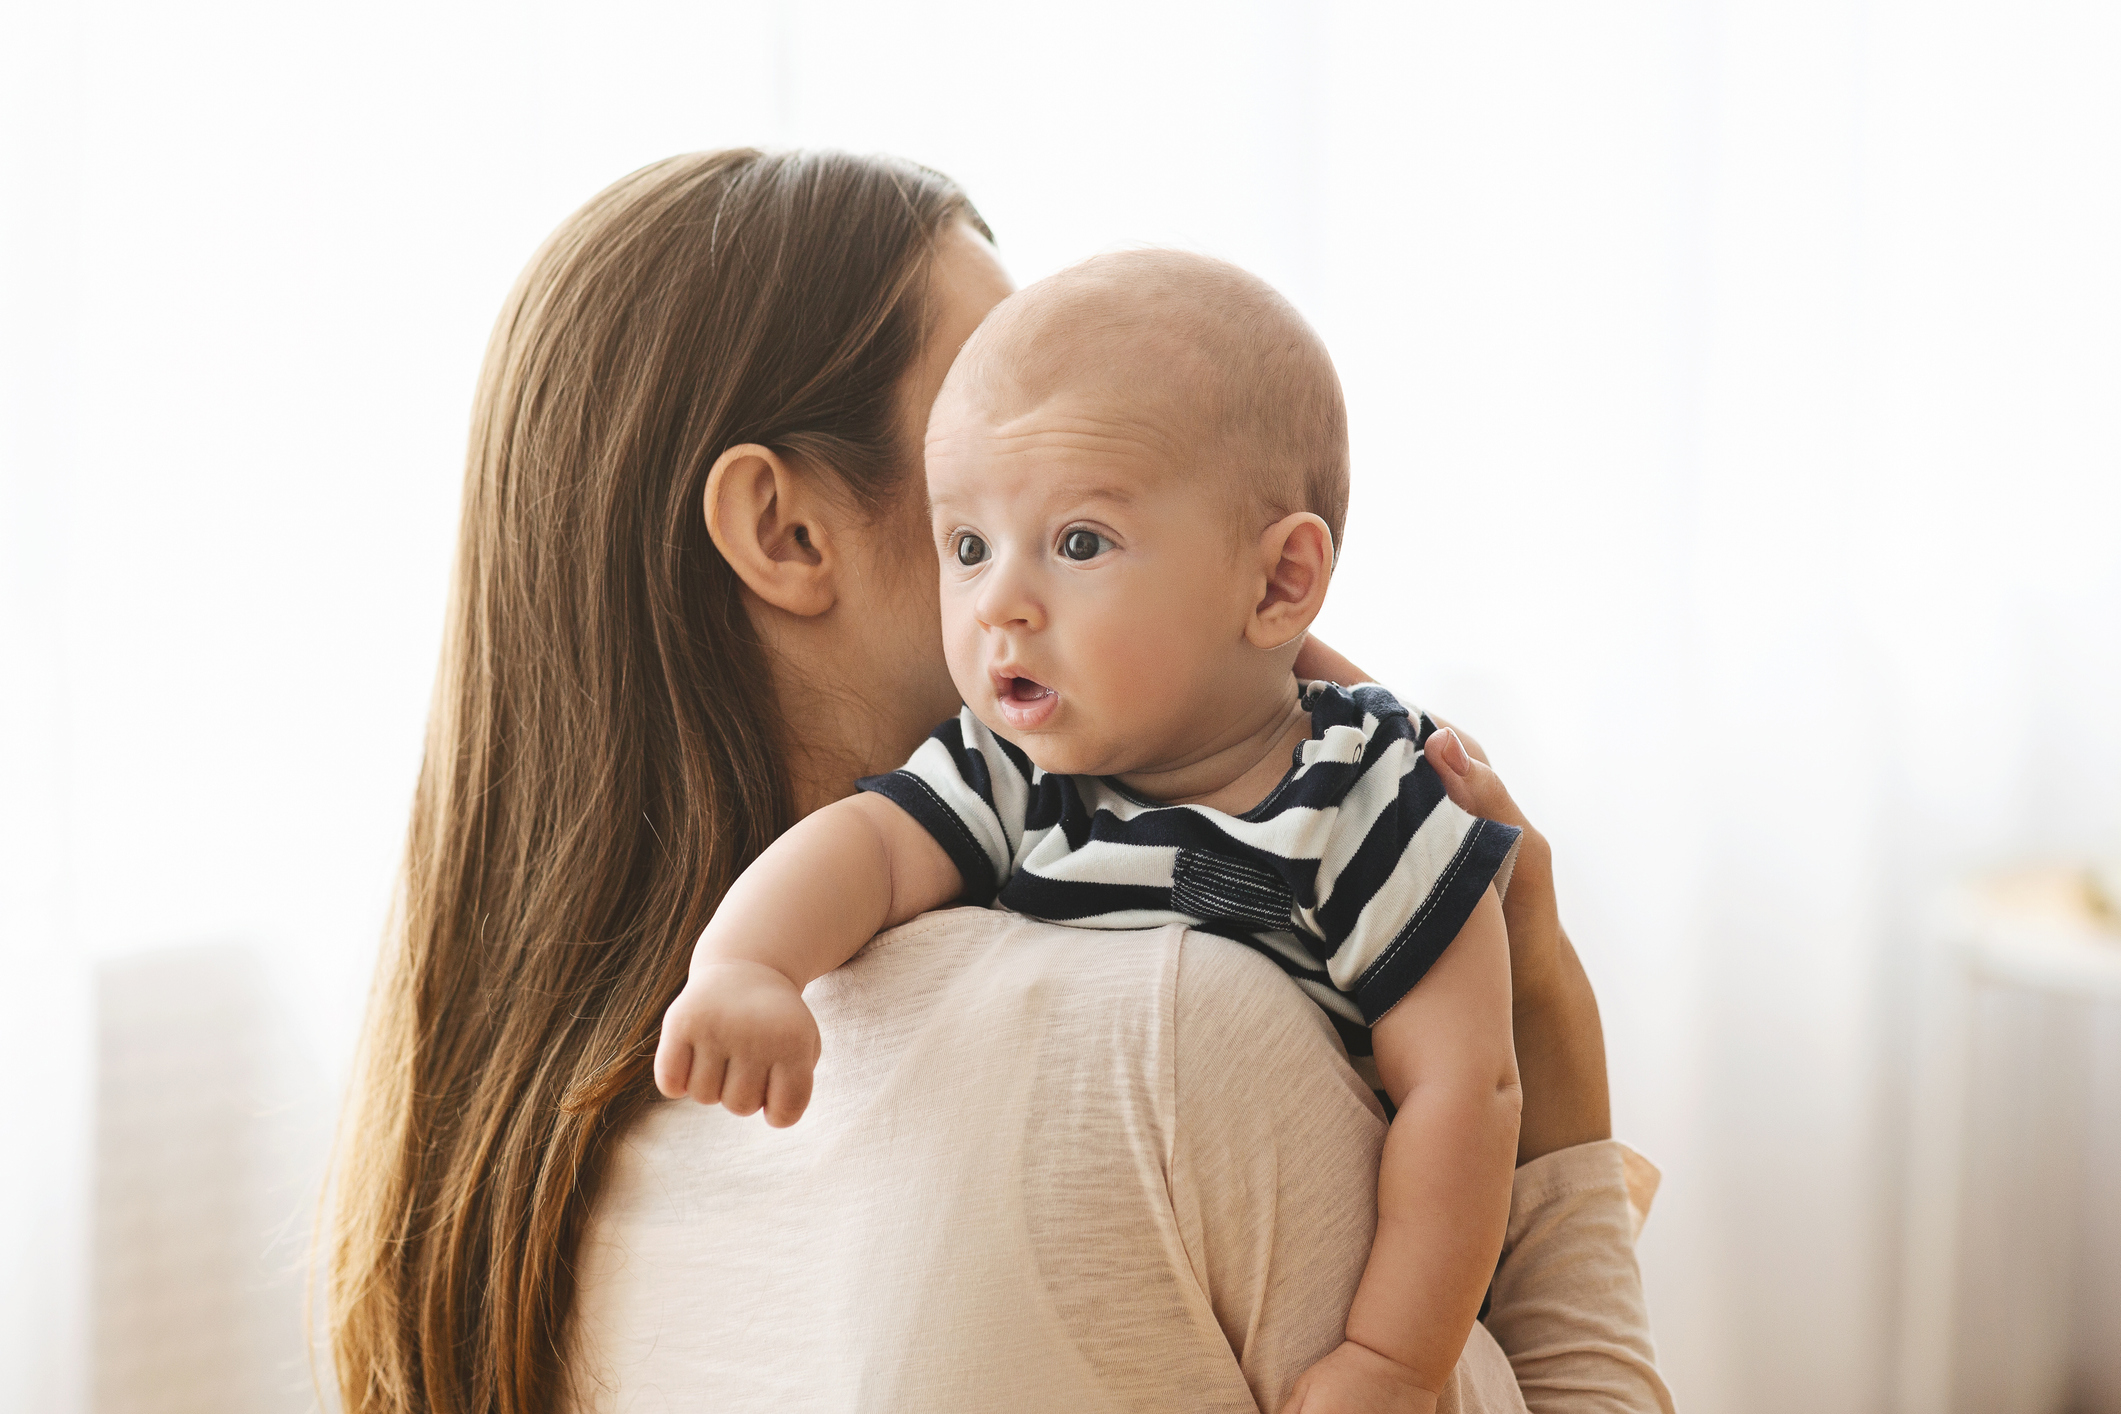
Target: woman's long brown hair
{"x":604,"y":754}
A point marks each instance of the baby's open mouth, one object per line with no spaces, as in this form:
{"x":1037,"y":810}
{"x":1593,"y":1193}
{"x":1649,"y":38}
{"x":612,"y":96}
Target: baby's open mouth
{"x":1025,"y":703}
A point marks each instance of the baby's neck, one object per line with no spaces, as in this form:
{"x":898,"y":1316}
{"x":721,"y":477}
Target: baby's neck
{"x":1233,"y":771}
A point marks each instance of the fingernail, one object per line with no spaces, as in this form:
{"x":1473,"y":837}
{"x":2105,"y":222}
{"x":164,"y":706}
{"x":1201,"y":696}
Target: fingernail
{"x":1454,"y":751}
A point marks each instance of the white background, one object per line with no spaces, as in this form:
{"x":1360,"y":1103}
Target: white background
{"x":1738,"y":452}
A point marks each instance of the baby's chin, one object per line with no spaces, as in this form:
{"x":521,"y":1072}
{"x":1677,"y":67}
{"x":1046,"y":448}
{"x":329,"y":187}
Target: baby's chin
{"x":1064,"y":759}
{"x":1061,"y":752}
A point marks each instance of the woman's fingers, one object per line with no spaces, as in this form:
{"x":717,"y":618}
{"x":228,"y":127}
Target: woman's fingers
{"x":1471,"y":745}
{"x":1560,"y":1044}
{"x":1528,"y":909}
{"x":1468,"y":779}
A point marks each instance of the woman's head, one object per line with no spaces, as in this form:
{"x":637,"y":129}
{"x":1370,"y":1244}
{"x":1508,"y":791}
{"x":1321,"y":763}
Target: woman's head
{"x":606,"y":749}
{"x":842,"y":592}
{"x":735,"y":328}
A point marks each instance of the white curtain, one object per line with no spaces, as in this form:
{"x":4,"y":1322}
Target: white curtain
{"x":1734,"y":390}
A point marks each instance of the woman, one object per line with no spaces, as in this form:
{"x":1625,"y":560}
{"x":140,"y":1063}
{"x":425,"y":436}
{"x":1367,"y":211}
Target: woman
{"x":694,"y":600}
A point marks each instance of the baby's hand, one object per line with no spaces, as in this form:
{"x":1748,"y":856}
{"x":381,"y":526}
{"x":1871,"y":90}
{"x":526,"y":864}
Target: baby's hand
{"x":1355,"y":1379}
{"x":739,"y":1034}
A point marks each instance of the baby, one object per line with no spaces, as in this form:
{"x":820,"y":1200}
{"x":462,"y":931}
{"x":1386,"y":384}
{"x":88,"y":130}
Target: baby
{"x":1137,"y":474}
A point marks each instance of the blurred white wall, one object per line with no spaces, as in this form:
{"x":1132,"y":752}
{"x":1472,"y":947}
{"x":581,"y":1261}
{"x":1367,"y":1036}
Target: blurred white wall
{"x":1738,"y":446}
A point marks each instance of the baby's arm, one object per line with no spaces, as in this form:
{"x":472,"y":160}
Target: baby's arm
{"x":1443,"y":1189}
{"x":739,"y":1033}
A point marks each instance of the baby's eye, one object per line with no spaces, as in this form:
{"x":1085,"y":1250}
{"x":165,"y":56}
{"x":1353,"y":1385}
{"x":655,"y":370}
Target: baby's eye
{"x":1080,"y":544}
{"x":971,"y":550}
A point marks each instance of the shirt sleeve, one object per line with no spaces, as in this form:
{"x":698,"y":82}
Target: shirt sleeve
{"x":1567,"y":1301}
{"x":1410,"y":866}
{"x":970,"y":790}
{"x":1274,"y":1162}
{"x":1273,"y":1168}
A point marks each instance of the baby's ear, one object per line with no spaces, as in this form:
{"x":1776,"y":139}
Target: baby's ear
{"x":1296,"y":561}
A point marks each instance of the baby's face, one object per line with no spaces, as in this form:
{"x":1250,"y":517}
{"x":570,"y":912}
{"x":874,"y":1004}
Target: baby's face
{"x":1094,"y":591}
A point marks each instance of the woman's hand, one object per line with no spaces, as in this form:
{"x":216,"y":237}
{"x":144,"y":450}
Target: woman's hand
{"x":1560,"y":1043}
{"x":1528,"y":910}
{"x":1554,"y":1014}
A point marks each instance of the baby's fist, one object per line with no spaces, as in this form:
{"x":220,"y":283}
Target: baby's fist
{"x":1355,"y":1379}
{"x":739,"y":1035}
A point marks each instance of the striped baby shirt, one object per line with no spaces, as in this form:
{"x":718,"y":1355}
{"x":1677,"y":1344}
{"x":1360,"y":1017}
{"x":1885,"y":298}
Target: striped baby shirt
{"x":1353,"y":874}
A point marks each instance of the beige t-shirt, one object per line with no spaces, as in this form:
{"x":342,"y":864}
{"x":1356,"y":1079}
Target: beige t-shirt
{"x":1045,"y":1170}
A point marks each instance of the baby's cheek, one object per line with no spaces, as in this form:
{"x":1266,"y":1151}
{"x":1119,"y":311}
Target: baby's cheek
{"x":1156,"y":643}
{"x":961,"y":650}
{"x":1140,"y":647}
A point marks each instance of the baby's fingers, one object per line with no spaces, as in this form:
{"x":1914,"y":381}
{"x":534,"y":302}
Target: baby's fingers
{"x":1356,"y":1380}
{"x":1310,"y":1396}
{"x":708,"y":1067}
{"x":744,"y":1086}
{"x":673,"y":1064}
{"x":787,"y":1093}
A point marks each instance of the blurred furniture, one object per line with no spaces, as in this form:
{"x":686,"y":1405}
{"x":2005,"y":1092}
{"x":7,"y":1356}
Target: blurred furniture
{"x":2010,"y":1297}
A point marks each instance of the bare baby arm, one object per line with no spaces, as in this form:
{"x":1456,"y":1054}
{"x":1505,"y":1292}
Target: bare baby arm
{"x":1443,"y":1187}
{"x":739,"y":1033}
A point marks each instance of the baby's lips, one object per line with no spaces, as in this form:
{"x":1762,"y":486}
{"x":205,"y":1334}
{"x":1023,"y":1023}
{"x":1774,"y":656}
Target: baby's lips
{"x":1024,"y":689}
{"x":1025,"y":712}
{"x":1010,"y":686}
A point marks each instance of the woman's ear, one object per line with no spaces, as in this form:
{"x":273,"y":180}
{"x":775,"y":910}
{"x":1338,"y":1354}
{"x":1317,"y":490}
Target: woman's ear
{"x":1296,"y":558}
{"x":769,"y":522}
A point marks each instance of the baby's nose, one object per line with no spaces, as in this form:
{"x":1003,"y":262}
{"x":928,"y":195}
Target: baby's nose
{"x":1007,"y":600}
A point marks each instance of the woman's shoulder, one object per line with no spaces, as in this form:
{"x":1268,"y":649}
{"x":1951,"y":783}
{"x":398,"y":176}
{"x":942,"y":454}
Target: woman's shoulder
{"x":1168,"y":1004}
{"x":1088,"y":988}
{"x":983,"y":960}
{"x":1252,"y":1048}
{"x":978,"y":1198}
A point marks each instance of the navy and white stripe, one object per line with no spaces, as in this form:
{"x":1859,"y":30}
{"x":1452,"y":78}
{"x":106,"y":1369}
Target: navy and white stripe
{"x":1353,"y":874}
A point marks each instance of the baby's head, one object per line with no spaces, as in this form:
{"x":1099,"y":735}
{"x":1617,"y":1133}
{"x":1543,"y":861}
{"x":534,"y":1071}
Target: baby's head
{"x":1138,"y":473}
